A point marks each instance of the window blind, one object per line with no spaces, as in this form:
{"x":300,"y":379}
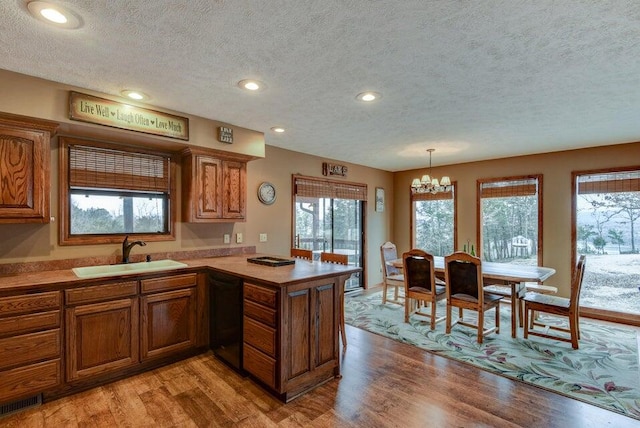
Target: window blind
{"x":101,"y":168}
{"x":509,"y":188}
{"x":612,"y":182}
{"x":320,"y":188}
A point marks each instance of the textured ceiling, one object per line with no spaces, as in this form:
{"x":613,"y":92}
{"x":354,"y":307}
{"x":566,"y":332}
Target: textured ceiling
{"x":476,"y":79}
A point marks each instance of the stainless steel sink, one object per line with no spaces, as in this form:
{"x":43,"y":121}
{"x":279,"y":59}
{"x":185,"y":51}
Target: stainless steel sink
{"x":127,"y":268}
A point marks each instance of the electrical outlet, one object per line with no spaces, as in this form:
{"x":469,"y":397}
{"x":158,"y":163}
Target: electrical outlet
{"x":238,"y":238}
{"x":263,"y":237}
{"x":227,"y":238}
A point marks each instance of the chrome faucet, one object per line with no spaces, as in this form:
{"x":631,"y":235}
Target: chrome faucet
{"x":126,"y":248}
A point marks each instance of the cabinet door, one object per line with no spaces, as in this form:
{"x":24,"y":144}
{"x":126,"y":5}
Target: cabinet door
{"x":24,"y":176}
{"x":101,"y":337}
{"x":299,"y":322}
{"x":208,"y":184}
{"x":310,"y":351}
{"x":235,"y":189}
{"x":168,"y":323}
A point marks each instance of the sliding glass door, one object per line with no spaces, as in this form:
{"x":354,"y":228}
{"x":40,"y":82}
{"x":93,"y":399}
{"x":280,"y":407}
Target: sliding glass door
{"x":330,"y":224}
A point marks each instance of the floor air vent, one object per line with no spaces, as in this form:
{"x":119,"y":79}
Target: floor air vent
{"x":16,"y":406}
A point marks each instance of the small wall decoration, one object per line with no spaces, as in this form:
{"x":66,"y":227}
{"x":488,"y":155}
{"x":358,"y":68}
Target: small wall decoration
{"x":225,"y":134}
{"x":334,"y":169}
{"x":379,"y":199}
{"x":87,"y":108}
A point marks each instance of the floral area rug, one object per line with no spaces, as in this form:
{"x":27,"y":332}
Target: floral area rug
{"x":603,"y":372}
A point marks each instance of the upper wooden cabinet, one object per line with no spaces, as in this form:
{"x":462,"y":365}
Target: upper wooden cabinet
{"x":214,"y":186}
{"x":25,"y":168}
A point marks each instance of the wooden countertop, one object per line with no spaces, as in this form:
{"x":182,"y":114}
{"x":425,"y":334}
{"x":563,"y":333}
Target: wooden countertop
{"x":301,"y":271}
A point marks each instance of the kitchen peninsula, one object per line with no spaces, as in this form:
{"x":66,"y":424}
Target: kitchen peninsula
{"x":60,"y":334}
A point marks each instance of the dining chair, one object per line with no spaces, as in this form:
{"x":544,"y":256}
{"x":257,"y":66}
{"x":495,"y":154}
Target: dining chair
{"x":341,"y":259}
{"x":299,"y":253}
{"x":556,"y":305}
{"x":420,"y":285}
{"x":391,"y":275}
{"x":463,"y":278}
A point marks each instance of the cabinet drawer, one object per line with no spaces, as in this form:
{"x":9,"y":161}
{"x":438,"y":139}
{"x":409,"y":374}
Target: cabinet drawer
{"x":21,"y":324}
{"x":261,"y":295}
{"x":97,"y":293}
{"x":260,"y":336}
{"x":25,"y":381}
{"x":29,"y":348}
{"x":29,"y":303}
{"x":260,"y":313}
{"x":259,"y":365}
{"x":168,"y":282}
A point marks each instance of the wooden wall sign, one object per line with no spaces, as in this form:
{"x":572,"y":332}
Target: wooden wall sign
{"x":225,"y":134}
{"x":87,"y":108}
{"x":334,"y":169}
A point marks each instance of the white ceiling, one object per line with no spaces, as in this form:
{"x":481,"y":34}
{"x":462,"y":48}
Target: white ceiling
{"x":475,"y":79}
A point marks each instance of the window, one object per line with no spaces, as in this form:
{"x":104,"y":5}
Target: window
{"x":433,"y":223}
{"x":606,"y":220}
{"x":109,"y":191}
{"x":510,"y":220}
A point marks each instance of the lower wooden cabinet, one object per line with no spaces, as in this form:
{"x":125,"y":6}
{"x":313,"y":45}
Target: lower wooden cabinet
{"x":101,"y":337}
{"x":168,"y":323}
{"x":26,"y":381}
{"x":115,"y":326}
{"x":290,"y":335}
{"x":30,"y":344}
{"x":310,"y":335}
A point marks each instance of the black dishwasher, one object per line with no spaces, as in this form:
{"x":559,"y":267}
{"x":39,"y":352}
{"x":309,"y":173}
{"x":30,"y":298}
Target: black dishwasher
{"x":225,"y":314}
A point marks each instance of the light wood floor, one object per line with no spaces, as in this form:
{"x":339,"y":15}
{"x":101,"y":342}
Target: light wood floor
{"x":385,"y":384}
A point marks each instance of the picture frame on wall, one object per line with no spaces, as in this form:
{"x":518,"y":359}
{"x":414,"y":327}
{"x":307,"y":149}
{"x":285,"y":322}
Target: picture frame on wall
{"x":379,"y":199}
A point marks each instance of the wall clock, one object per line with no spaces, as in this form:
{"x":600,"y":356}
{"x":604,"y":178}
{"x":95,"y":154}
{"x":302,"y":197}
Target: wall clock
{"x":267,"y":193}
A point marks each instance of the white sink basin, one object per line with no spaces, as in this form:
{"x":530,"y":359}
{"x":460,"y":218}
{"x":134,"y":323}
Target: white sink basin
{"x":126,"y":268}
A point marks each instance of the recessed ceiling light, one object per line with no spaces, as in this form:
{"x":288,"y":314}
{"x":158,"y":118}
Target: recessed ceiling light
{"x":368,"y":96}
{"x":251,"y":85}
{"x":134,"y":95}
{"x":278,"y":129}
{"x":54,"y":15}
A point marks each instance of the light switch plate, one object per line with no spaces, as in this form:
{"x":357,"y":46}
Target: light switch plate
{"x":238,"y":238}
{"x":263,"y":237}
{"x":227,"y":238}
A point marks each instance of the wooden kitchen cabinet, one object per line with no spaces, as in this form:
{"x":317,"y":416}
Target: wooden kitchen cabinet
{"x":25,"y":172}
{"x":310,"y":343}
{"x":260,"y":351}
{"x":30,"y":344}
{"x":58,"y":342}
{"x":168,"y":318}
{"x":102,"y":329}
{"x":290,"y":335}
{"x":214,"y":186}
{"x":234,"y":193}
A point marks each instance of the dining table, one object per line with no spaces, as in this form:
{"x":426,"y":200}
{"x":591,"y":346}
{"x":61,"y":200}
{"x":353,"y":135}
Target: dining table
{"x":509,"y":274}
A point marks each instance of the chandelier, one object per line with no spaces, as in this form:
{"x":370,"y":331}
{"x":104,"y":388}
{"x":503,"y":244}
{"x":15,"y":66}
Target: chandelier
{"x":426,"y":184}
